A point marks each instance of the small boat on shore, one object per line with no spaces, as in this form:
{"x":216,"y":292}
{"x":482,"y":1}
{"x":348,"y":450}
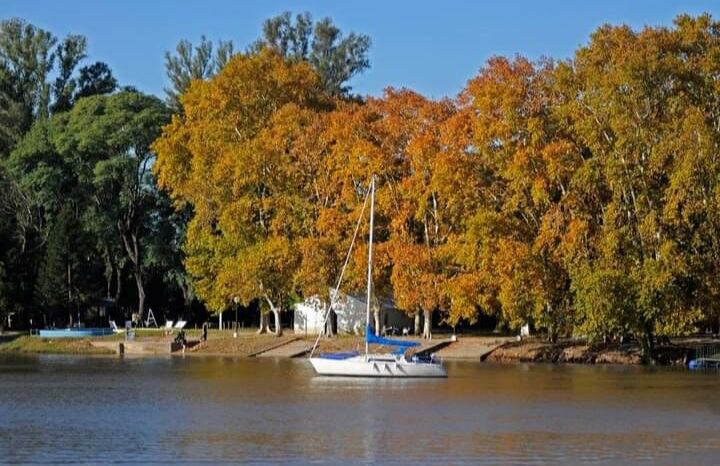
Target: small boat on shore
{"x":354,"y":364}
{"x":75,"y":332}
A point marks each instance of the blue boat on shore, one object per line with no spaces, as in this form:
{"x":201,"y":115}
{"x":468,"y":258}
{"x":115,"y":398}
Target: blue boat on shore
{"x":76,"y":332}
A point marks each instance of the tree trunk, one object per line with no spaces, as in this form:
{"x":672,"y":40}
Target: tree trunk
{"x":109,"y":270}
{"x":108,"y":282}
{"x":276,"y":312}
{"x":416,"y":329}
{"x":278,"y":325}
{"x":376,"y":319}
{"x":427,"y":327}
{"x":69,"y":284}
{"x":118,"y":284}
{"x":132,"y":247}
{"x":648,"y":345}
{"x":187,"y":293}
{"x":141,"y":293}
{"x":329,"y":329}
{"x":263,"y":327}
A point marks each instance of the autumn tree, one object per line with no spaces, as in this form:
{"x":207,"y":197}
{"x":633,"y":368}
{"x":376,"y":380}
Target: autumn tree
{"x":527,"y":163}
{"x":230,"y":155}
{"x":634,"y":100}
{"x":354,"y":155}
{"x":421,"y":202}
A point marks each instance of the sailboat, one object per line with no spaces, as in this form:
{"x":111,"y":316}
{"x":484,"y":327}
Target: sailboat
{"x":355,"y":364}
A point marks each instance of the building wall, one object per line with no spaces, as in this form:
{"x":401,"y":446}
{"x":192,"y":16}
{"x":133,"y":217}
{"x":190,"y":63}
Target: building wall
{"x":350,"y":312}
{"x":309,"y":316}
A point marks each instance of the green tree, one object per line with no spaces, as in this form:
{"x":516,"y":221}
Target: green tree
{"x":96,"y":156}
{"x":58,"y":286}
{"x":26,"y":59}
{"x":95,"y":79}
{"x":115,"y":132}
{"x":29,"y":58}
{"x":70,"y":52}
{"x":193,"y":62}
{"x":335,"y":57}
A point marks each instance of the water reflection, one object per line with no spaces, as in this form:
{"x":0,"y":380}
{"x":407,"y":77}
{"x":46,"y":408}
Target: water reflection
{"x":60,"y":409}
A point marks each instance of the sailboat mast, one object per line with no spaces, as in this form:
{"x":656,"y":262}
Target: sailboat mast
{"x":370,"y":245}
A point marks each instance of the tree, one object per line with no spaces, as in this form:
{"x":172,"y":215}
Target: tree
{"x":190,"y":63}
{"x":95,"y":79}
{"x":335,"y":58}
{"x":58,"y":287}
{"x":8,"y":250}
{"x":4,"y":296}
{"x":528,"y":163}
{"x":421,"y":218}
{"x":70,"y":52}
{"x":229,"y":155}
{"x":97,"y":158}
{"x":26,"y":59}
{"x":122,"y":128}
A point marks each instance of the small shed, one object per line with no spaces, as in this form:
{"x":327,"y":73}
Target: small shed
{"x":349,"y":315}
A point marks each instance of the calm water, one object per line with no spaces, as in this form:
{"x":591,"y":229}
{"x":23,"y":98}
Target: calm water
{"x":97,"y":410}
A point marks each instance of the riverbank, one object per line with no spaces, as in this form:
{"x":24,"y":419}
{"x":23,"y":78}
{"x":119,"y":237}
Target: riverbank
{"x":675,"y":352}
{"x":32,"y":344}
{"x":467,"y":348}
{"x":247,"y":344}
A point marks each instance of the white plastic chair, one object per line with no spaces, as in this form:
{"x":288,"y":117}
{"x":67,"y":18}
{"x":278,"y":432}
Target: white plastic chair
{"x":115,"y":328}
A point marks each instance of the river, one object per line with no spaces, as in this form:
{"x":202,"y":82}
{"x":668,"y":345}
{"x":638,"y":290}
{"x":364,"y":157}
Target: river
{"x":65,"y":409}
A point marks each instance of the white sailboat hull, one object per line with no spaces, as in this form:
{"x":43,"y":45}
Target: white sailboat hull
{"x":377,"y":366}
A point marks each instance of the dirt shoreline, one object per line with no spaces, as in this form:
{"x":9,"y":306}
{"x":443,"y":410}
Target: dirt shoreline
{"x":678,"y":352}
{"x":466,"y":348}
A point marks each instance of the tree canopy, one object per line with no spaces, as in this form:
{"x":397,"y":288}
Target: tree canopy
{"x":573,"y":195}
{"x":580,"y":196}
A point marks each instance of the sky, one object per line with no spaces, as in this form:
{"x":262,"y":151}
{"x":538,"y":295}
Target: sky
{"x":433,"y":47}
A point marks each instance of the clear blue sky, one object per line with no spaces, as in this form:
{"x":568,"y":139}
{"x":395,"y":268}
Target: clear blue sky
{"x":431,"y":46}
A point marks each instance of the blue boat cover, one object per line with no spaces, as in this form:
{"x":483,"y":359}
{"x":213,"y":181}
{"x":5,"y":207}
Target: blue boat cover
{"x":371,"y":338}
{"x":345,"y":355}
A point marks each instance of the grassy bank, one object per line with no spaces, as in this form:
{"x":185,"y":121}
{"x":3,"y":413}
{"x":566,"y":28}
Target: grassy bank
{"x":219,"y":343}
{"x":32,"y":344}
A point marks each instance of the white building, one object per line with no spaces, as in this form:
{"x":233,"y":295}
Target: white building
{"x":350,"y":315}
